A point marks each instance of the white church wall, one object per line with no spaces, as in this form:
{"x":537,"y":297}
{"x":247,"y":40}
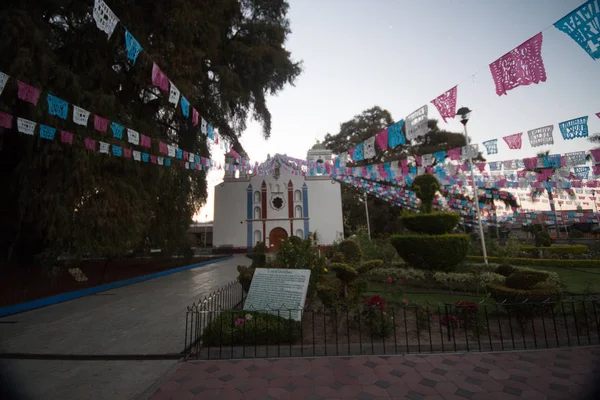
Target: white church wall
{"x":325,"y":210}
{"x":230,"y":226}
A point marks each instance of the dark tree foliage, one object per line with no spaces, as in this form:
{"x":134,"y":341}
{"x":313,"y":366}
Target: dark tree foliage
{"x":225,"y":57}
{"x":383,"y":215}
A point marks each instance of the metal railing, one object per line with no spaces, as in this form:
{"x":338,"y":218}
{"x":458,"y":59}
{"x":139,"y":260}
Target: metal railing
{"x":225,"y":334}
{"x":202,"y":313}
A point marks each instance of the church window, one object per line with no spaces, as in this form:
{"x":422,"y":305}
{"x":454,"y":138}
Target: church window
{"x":298,"y":213}
{"x":277,"y":203}
{"x":297,"y":195}
{"x":277,"y":190}
{"x":257,"y":197}
{"x":300,"y":233}
{"x":257,"y":237}
{"x":256,"y":212}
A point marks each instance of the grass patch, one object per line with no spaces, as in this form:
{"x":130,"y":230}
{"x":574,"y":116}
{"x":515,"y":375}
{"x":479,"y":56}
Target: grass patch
{"x":576,"y":281}
{"x":393,"y":294}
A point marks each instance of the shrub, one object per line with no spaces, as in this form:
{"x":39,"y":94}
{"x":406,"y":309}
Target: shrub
{"x":374,"y":314}
{"x":542,"y":262}
{"x":398,"y":274}
{"x":346,"y":274}
{"x":443,"y":252}
{"x":258,"y":255}
{"x":538,"y":294}
{"x":338,"y":257}
{"x":245,"y":275}
{"x":240,"y":327}
{"x":525,"y":279}
{"x":374,"y":249}
{"x":425,"y":187}
{"x":576,"y":249}
{"x":486,"y":278}
{"x":505,"y":269}
{"x":370,"y":265}
{"x":576,"y":234}
{"x":543,"y":239}
{"x":328,"y":293}
{"x":431,"y":224}
{"x":351,"y":251}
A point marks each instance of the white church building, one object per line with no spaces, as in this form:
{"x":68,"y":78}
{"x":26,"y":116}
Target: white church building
{"x":269,"y":208}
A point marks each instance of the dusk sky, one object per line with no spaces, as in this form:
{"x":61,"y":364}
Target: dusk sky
{"x":401,"y":54}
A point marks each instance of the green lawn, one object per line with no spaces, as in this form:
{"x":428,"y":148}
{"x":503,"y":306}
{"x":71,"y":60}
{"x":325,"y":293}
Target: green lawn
{"x":394,"y":294}
{"x":576,"y":280}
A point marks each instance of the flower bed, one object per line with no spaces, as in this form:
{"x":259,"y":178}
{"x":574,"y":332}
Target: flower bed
{"x":376,"y":328}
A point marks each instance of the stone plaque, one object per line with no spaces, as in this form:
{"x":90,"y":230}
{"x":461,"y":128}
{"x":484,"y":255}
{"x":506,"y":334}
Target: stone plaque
{"x":278,"y":289}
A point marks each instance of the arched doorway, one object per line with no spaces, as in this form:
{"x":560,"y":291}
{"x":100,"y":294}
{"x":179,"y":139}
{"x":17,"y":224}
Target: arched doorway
{"x":275,"y":238}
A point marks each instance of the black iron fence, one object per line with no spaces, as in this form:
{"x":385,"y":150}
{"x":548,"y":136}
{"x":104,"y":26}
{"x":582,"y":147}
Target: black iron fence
{"x":201,"y":314}
{"x":374,"y":330}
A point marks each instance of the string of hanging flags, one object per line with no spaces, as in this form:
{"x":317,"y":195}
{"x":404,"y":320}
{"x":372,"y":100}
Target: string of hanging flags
{"x":522,"y":66}
{"x":49,"y":133}
{"x":61,"y":109}
{"x":107,"y":21}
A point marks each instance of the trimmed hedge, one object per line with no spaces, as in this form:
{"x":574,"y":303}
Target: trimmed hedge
{"x":505,"y":269}
{"x":261,"y":328}
{"x":370,"y":265}
{"x":526,"y":280}
{"x":575,"y":249}
{"x":542,"y":262}
{"x":344,"y":272}
{"x":431,"y":224}
{"x":351,"y":251}
{"x":338,"y":257}
{"x":440,"y":252}
{"x":538,"y":294}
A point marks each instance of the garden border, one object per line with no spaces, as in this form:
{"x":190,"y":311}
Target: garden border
{"x":60,"y":298}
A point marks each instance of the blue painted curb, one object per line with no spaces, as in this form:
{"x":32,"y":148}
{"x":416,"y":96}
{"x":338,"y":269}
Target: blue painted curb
{"x":59,"y":298}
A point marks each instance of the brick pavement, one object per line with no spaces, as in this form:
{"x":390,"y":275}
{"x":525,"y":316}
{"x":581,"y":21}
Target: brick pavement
{"x":541,"y":374}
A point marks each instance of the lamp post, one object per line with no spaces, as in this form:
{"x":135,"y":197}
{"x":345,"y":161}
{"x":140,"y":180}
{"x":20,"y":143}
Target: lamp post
{"x":596,"y":207}
{"x":367,"y":212}
{"x":205,"y":226}
{"x":465,"y":114}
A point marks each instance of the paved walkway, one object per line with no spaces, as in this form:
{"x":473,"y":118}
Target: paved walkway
{"x":542,"y":374}
{"x":144,"y":318}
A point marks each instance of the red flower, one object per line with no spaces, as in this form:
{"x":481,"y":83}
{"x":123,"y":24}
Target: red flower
{"x":376,"y":302}
{"x":467,"y":306}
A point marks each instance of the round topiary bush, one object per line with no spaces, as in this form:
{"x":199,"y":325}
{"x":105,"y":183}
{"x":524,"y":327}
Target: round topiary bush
{"x":505,"y":269}
{"x":431,"y":224}
{"x":525,"y":280}
{"x":440,"y":253}
{"x":425,"y":187}
{"x":338,"y":257}
{"x":370,"y":265}
{"x":351,"y":251}
{"x":543,"y":239}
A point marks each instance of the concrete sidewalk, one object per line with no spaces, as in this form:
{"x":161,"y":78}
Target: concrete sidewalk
{"x":144,"y":318}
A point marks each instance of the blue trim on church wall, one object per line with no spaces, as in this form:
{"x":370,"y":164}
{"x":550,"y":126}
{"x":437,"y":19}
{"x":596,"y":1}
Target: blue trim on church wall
{"x":249,"y":216}
{"x":305,"y":209}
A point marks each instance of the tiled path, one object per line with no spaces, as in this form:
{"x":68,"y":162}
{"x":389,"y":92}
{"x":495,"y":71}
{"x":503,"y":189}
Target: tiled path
{"x":543,"y":374}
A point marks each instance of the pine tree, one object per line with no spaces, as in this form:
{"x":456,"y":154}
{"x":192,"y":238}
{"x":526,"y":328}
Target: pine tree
{"x":224,"y":56}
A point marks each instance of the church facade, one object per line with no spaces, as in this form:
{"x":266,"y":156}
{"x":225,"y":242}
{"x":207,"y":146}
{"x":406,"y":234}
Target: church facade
{"x":269,"y":208}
